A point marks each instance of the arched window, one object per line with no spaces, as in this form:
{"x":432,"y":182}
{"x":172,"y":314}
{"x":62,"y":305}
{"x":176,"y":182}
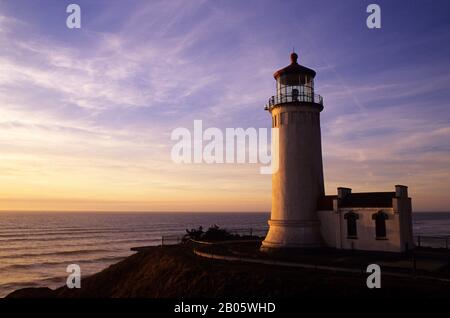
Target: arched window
{"x":380,"y":224}
{"x":351,"y":217}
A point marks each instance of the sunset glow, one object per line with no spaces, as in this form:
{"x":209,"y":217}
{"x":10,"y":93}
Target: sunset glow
{"x":86,"y":115}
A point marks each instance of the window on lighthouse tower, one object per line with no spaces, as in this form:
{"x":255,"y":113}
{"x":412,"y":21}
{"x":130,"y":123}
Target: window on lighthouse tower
{"x":295,"y":87}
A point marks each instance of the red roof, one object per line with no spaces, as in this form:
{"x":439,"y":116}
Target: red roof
{"x":294,"y":68}
{"x":326,"y":202}
{"x":359,"y":200}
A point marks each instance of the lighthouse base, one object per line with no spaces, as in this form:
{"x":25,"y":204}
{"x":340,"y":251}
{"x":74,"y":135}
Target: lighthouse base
{"x":292,"y":234}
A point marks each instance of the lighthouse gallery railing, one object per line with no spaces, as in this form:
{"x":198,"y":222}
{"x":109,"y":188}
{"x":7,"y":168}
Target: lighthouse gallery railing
{"x":309,"y":98}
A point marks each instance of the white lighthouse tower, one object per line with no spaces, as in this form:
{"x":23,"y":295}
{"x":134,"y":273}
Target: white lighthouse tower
{"x":298,"y":183}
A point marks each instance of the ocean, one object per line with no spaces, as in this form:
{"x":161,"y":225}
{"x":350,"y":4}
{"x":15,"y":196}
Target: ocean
{"x":35,"y":248}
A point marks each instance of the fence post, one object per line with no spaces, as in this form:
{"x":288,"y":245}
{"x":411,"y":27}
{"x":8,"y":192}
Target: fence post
{"x":446,"y":243}
{"x":251,"y":232}
{"x":162,"y":240}
{"x":418,"y":240}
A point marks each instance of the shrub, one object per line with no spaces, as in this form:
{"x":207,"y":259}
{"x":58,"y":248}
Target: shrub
{"x":213,"y":234}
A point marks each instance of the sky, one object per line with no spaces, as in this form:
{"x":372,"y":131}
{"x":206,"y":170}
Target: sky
{"x":86,"y":114}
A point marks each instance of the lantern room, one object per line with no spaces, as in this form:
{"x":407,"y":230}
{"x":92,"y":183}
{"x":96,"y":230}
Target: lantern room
{"x":295,"y":83}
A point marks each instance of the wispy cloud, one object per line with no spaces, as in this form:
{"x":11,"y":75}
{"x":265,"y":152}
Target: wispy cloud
{"x":88,"y":115}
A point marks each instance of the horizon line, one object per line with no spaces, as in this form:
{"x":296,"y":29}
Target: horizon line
{"x":136,"y":212}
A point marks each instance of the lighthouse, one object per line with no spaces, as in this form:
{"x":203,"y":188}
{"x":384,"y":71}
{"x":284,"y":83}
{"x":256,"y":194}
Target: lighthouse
{"x":298,"y":183}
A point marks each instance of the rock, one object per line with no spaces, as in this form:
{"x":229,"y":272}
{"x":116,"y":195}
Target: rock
{"x":41,"y":292}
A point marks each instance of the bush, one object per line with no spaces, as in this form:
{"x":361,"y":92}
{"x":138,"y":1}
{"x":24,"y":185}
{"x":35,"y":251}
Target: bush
{"x":213,"y":234}
{"x":194,"y":234}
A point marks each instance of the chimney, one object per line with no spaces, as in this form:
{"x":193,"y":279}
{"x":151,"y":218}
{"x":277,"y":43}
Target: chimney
{"x":343,"y":192}
{"x":401,"y":191}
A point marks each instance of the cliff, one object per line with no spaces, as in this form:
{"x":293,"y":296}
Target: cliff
{"x":174,"y":272}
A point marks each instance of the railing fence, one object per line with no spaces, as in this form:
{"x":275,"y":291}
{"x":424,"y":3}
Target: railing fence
{"x":432,"y":241}
{"x":304,"y":97}
{"x":419,"y":240}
